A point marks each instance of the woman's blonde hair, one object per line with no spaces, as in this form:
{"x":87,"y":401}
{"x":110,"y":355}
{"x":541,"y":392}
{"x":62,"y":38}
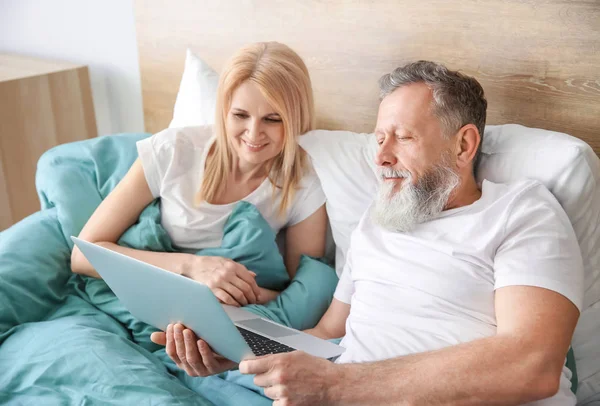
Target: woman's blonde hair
{"x":283,"y":79}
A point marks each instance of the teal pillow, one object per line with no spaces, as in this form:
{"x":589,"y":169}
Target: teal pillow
{"x":573,"y":368}
{"x":249,"y":240}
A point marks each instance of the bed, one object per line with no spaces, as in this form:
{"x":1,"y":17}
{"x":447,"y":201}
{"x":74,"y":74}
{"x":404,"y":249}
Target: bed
{"x":66,"y":340}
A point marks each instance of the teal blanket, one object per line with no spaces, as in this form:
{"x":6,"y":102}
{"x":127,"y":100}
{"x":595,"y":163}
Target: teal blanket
{"x":66,"y":339}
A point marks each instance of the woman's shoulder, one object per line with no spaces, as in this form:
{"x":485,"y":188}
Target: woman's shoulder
{"x":183,"y":137}
{"x":309,"y":179}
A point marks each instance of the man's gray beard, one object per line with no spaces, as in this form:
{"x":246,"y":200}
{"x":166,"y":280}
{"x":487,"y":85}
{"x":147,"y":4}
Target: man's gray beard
{"x":413,"y":204}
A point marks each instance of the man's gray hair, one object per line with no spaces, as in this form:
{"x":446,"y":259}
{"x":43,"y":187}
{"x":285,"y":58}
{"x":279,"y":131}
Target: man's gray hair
{"x":458,"y":99}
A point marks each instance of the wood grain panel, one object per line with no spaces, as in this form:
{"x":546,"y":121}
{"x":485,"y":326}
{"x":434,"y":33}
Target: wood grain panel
{"x":38,"y":112}
{"x":538,"y":61}
{"x":6,"y":219}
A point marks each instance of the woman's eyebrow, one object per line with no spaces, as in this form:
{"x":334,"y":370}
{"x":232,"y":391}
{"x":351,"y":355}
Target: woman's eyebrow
{"x":239,"y":110}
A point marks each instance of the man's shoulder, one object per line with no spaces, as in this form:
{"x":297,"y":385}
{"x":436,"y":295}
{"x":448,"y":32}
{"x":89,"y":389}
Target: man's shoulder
{"x":520,"y":193}
{"x":529,"y":202}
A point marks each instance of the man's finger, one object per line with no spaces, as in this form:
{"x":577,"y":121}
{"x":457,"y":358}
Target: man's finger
{"x":264,"y":380}
{"x":170,"y":347}
{"x":159,"y":337}
{"x":258,"y":365}
{"x":180,"y":349}
{"x":208,"y":357}
{"x":193,"y":357}
{"x":276,"y":392}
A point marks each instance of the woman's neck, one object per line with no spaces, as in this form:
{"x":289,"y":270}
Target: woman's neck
{"x":247,"y":172}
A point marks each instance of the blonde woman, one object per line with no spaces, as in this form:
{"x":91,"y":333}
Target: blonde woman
{"x":264,"y":103}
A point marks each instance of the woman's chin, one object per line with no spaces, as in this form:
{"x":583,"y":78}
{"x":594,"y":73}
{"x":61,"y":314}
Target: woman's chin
{"x":256,"y":158}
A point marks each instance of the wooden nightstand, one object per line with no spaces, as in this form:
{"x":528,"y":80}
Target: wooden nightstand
{"x":42,"y":104}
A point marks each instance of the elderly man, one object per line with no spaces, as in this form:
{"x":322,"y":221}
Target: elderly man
{"x":453,"y":292}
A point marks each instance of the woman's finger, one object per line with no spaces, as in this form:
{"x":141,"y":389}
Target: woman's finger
{"x":237,"y":294}
{"x":249,"y":277}
{"x":225,"y":297}
{"x":245,"y":288}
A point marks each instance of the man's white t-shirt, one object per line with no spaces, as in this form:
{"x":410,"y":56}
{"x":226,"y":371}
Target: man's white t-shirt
{"x":174,"y":161}
{"x":434,"y":287}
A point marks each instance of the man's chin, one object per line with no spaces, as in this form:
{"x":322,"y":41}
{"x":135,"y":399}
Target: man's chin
{"x":395,"y":186}
{"x":392,"y":224}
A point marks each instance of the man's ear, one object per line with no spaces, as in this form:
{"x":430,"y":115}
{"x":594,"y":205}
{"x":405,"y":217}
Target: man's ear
{"x":467,"y":142}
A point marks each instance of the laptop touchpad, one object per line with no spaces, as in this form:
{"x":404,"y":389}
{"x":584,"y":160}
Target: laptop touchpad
{"x":270,"y":329}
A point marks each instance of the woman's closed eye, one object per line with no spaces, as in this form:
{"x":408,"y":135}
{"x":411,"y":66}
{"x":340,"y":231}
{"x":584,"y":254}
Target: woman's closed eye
{"x":268,"y":119}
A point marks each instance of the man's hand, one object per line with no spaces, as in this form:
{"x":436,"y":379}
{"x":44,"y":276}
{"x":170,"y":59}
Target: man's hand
{"x":293,"y":378}
{"x":192,"y":355}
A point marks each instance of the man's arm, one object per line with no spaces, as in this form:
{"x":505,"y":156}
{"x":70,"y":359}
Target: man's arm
{"x":520,"y":364}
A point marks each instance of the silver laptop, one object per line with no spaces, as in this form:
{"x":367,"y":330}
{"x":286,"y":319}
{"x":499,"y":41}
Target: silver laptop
{"x":158,"y":297}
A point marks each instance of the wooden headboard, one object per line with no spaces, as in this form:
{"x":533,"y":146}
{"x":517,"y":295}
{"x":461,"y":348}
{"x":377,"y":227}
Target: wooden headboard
{"x":538,"y":60}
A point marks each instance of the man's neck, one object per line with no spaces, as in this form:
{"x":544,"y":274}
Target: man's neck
{"x":465,"y":194}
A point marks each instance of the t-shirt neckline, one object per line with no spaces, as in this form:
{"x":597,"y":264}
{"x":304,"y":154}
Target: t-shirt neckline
{"x":476,"y":203}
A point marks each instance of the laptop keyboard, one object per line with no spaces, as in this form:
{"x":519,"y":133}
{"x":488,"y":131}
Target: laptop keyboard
{"x":262,"y":345}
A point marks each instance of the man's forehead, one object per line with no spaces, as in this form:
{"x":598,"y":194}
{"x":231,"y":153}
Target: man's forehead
{"x":393,"y":127}
{"x":406,"y":109}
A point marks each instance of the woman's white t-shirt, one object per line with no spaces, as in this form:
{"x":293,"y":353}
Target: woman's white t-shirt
{"x":174,"y":161}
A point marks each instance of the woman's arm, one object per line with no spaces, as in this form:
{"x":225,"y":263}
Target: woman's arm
{"x":333,"y":322}
{"x":305,"y":238}
{"x":116,"y":213}
{"x":266,"y":295}
{"x":231,"y":282}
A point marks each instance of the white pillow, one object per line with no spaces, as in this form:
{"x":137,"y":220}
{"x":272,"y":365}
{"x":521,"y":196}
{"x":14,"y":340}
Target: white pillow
{"x":345,"y":164}
{"x":196,"y":99}
{"x":567,"y":166}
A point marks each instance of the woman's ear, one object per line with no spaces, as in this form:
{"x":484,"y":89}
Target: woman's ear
{"x":468,"y":140}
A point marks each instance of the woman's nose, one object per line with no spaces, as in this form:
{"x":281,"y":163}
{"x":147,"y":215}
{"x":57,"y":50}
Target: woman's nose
{"x":253,"y":130}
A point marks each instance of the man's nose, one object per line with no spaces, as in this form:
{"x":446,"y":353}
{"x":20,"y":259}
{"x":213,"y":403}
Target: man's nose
{"x":385,"y":155}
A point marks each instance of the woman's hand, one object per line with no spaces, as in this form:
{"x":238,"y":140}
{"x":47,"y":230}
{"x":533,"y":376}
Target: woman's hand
{"x":192,"y":355}
{"x":232,"y":283}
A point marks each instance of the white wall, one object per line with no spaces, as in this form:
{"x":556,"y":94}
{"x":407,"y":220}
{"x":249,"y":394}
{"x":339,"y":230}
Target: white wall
{"x":97,"y":33}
